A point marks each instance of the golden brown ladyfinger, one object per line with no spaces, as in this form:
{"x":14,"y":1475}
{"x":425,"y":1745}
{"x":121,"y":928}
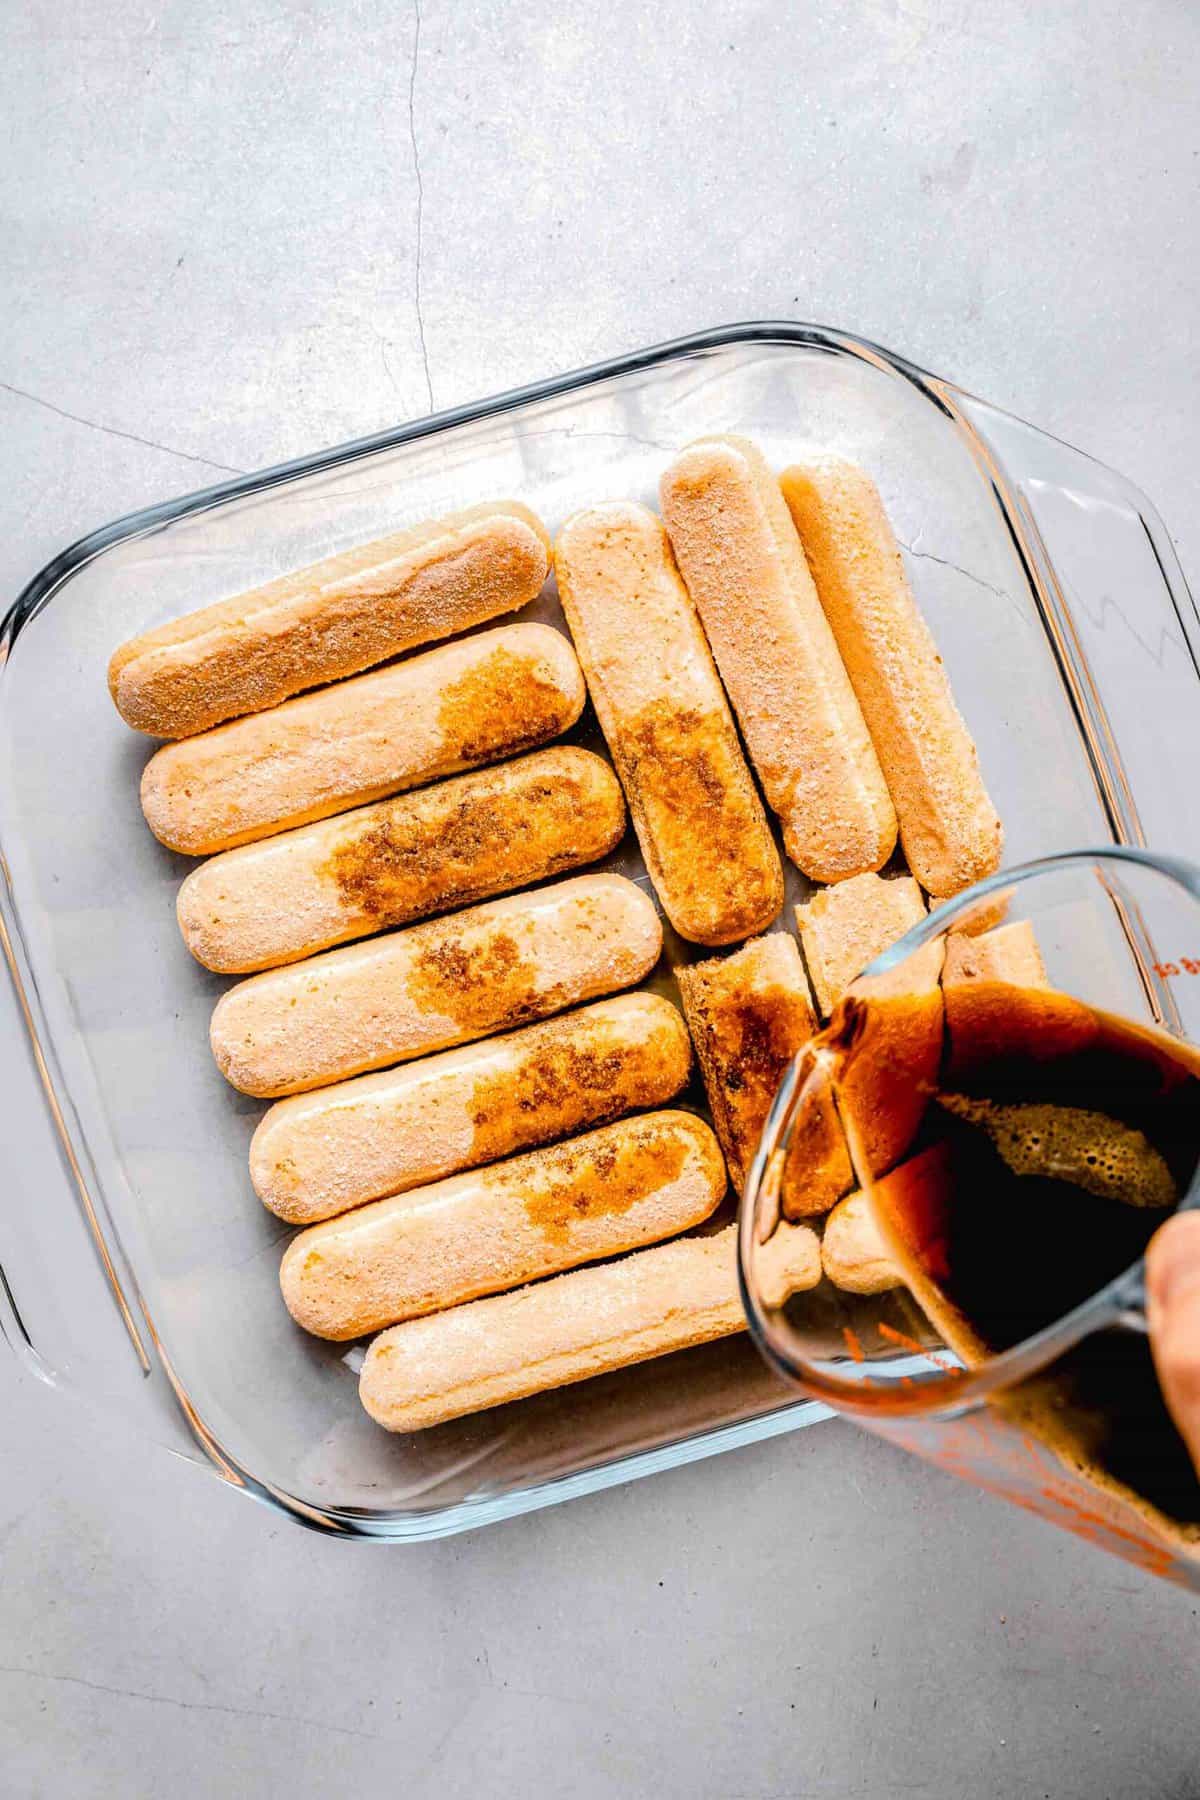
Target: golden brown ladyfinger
{"x":884,"y":1085}
{"x":695,"y":809}
{"x":748,"y":1014}
{"x":329,"y":620}
{"x":853,"y":1253}
{"x":843,"y":928}
{"x":462,"y":705}
{"x":321,"y":1153}
{"x":570,"y":1328}
{"x":739,"y":554}
{"x":285,"y":898}
{"x":625,"y":1185}
{"x":448,"y":982}
{"x":1006,"y":953}
{"x":948,"y":825}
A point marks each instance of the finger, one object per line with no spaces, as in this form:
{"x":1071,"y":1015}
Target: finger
{"x":1173,"y":1309}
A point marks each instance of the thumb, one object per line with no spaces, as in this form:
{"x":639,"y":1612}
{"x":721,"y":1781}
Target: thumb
{"x":1173,"y":1309}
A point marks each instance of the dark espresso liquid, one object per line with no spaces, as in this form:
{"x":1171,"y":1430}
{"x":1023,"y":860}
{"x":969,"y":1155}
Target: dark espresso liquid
{"x":1055,"y":1142}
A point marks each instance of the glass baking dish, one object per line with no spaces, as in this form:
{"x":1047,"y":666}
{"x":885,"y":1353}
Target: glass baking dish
{"x":147,"y":1278}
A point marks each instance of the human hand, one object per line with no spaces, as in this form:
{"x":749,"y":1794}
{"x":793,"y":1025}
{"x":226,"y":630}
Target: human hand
{"x":1173,"y":1309}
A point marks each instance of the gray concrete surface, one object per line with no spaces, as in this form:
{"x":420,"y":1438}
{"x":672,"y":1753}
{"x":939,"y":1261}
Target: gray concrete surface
{"x":233,"y":233}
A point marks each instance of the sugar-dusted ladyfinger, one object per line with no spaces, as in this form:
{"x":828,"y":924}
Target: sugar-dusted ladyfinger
{"x":843,"y":928}
{"x":285,"y":898}
{"x":748,"y":1014}
{"x":853,"y":1253}
{"x":695,"y":809}
{"x":1007,"y":954}
{"x":456,"y":707}
{"x":615,"y":1189}
{"x":739,"y":554}
{"x":321,"y":1153}
{"x":447,"y":982}
{"x":586,"y":1323}
{"x":948,"y":826}
{"x":329,"y":620}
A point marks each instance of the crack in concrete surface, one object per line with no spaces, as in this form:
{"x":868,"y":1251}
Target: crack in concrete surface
{"x":209,"y":1706}
{"x":928,"y":556}
{"x":115,"y":431}
{"x":1098,"y":615}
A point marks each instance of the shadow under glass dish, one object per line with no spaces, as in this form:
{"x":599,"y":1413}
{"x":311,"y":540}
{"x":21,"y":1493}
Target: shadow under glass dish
{"x":143,"y":1274}
{"x":1014,"y":1088}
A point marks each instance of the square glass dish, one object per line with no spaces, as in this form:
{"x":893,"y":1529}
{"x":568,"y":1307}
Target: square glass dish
{"x":148,"y":1278}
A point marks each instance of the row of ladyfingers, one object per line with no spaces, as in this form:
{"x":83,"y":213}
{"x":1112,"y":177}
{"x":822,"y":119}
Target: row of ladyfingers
{"x":291,"y":881}
{"x":797,"y":588}
{"x":414,"y":1129}
{"x":843,"y":703}
{"x":360,"y":1137}
{"x":749,"y":1013}
{"x":422,"y":1252}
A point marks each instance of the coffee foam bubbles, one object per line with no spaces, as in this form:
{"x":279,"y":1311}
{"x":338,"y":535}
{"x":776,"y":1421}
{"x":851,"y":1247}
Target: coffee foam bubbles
{"x":1070,"y":1143}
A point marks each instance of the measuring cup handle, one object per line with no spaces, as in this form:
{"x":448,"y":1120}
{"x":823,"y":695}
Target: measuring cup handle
{"x":1130,"y":1299}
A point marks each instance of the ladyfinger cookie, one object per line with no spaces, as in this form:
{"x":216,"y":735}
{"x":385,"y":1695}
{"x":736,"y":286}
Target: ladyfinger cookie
{"x":853,"y":1253}
{"x":884,"y":1083}
{"x":844,"y":928}
{"x":568,"y":1329}
{"x":611,"y":1190}
{"x":453,"y":708}
{"x":305,"y":890}
{"x":448,"y":982}
{"x":741,"y":559}
{"x":948,"y":825}
{"x":1006,"y":953}
{"x":320,"y":1154}
{"x":331,"y":619}
{"x":698,"y":818}
{"x":748,"y":1014}
{"x":999,"y":1001}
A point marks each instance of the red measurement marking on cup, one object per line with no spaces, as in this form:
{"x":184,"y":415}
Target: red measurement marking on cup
{"x":910,"y":1343}
{"x":1187,"y":965}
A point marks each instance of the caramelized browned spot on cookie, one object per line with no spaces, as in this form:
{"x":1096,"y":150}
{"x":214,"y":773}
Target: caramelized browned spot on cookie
{"x":477,"y":983}
{"x":401,"y":864}
{"x":478,"y":710}
{"x":592,"y":1181}
{"x":752,"y":1041}
{"x":748,"y":1015}
{"x":697,"y":794}
{"x":472,"y":838}
{"x":567,"y":1082}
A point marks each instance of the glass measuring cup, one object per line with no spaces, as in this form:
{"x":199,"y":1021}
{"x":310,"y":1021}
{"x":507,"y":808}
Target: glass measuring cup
{"x":984,"y":1102}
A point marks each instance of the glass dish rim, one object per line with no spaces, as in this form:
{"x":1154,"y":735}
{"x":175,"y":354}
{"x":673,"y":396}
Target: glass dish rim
{"x":791,"y":1413}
